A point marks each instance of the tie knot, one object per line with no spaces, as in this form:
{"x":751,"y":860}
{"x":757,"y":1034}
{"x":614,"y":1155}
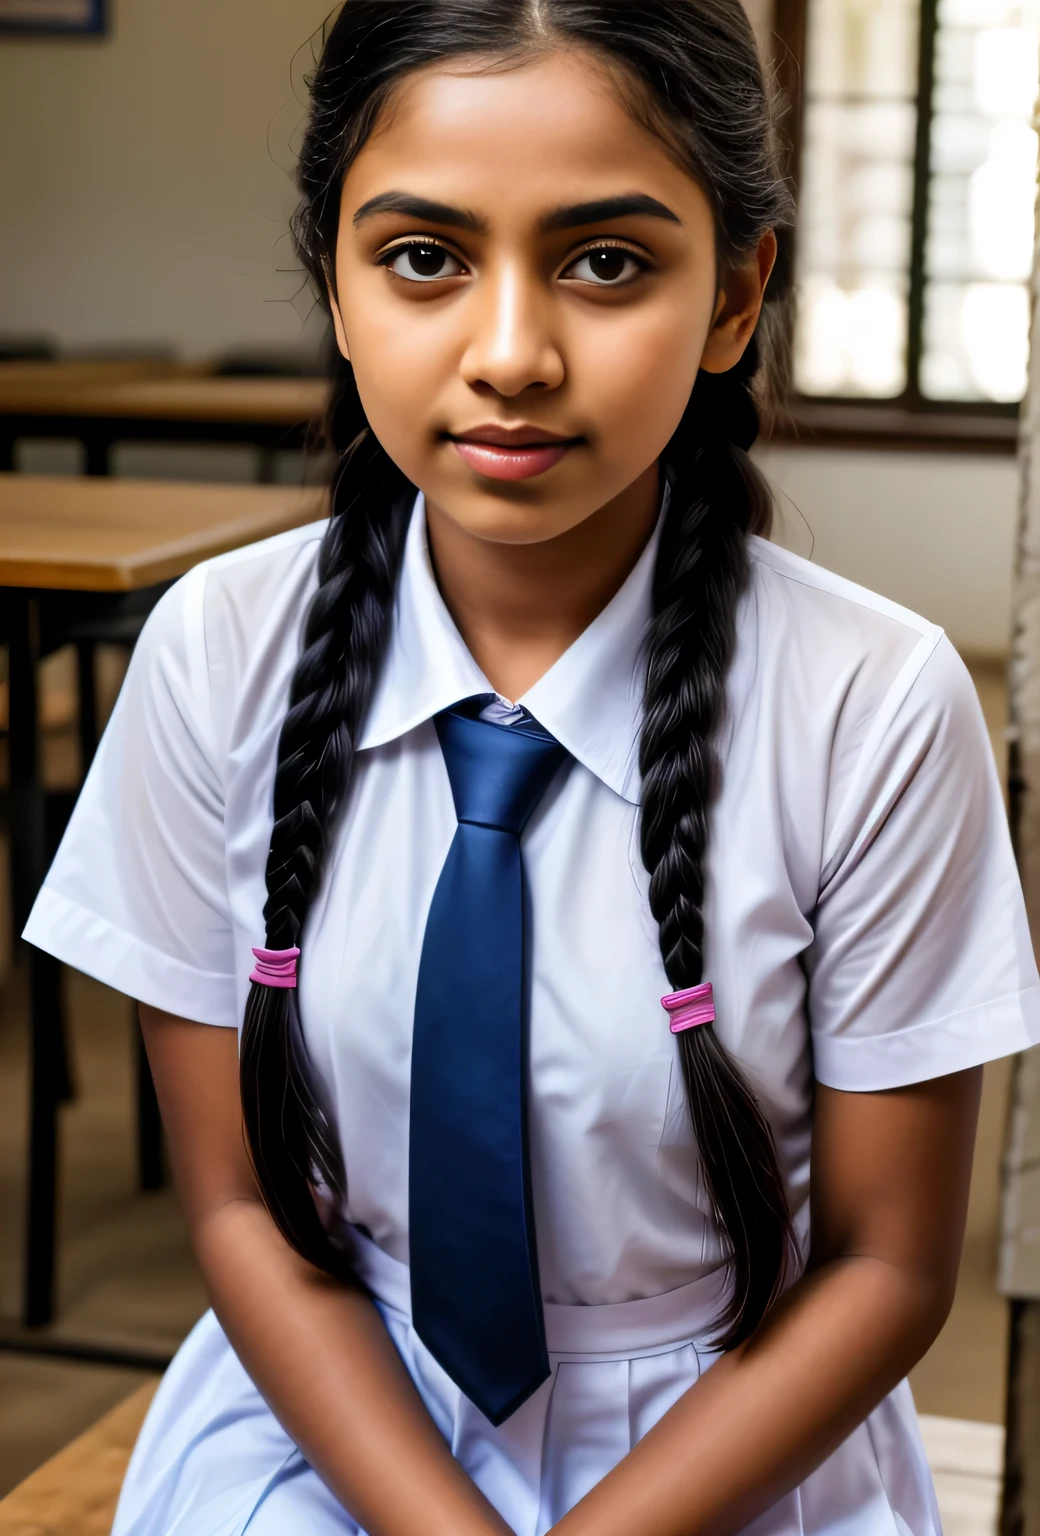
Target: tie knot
{"x":498,"y":773}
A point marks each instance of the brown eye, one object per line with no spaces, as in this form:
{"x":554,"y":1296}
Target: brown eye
{"x":422,"y":262}
{"x":607,"y":267}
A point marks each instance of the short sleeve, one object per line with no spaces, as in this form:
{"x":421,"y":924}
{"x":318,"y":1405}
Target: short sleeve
{"x":137,"y":894}
{"x":921,"y":962}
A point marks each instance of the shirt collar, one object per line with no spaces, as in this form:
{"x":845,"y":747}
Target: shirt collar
{"x":591,"y":699}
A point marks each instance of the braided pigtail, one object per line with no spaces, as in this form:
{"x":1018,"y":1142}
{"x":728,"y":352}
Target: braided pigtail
{"x":291,"y":1141}
{"x":702,"y":569}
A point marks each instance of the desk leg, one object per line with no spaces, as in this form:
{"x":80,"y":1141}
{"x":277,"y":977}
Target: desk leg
{"x":97,"y":451}
{"x":266,"y":464}
{"x":86,"y":653}
{"x":149,"y":1122}
{"x":28,"y":865}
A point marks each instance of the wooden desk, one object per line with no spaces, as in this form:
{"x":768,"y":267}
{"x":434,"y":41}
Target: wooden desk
{"x":34,"y":388}
{"x":268,"y":413}
{"x":70,"y":548}
{"x":85,"y":535}
{"x":16,"y":376}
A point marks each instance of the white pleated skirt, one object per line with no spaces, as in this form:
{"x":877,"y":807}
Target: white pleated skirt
{"x":212,"y":1459}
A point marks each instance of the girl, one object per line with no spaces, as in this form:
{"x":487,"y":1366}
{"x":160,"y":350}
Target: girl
{"x":536,"y":733}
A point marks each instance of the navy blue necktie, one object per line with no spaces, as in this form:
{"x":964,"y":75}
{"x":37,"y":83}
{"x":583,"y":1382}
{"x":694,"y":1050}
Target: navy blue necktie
{"x":476,"y":1298}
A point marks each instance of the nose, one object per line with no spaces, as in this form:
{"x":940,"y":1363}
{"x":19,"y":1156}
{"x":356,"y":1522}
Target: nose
{"x":511,"y":347}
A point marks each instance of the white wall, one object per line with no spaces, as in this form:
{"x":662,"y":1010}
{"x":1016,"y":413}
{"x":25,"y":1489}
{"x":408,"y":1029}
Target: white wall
{"x":761,"y":14}
{"x":144,"y":193}
{"x":933,"y":531}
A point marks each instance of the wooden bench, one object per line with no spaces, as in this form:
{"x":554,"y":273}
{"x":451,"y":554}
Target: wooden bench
{"x":75,"y":1493}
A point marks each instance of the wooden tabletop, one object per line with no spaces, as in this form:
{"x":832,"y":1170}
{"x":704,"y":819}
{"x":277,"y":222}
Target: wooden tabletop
{"x":32,"y":380}
{"x":271,"y":402}
{"x":75,"y":1493}
{"x":103,"y":535}
{"x":98,"y":370}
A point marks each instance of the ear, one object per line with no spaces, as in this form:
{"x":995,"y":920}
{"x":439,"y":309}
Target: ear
{"x":738,"y":307}
{"x":337,"y":321}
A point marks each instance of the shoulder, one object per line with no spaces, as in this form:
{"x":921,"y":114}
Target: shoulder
{"x":852,"y":688}
{"x":823,"y":602}
{"x":251,"y":585}
{"x":229,"y":623}
{"x":838,"y":641}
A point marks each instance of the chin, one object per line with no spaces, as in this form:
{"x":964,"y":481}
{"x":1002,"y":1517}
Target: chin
{"x":510,"y":520}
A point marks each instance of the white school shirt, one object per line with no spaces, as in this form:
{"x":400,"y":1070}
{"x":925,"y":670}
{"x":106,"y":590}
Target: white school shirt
{"x":864,"y":921}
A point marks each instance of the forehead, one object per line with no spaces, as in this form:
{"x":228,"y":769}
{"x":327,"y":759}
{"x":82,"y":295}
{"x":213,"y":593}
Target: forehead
{"x":553,"y":130}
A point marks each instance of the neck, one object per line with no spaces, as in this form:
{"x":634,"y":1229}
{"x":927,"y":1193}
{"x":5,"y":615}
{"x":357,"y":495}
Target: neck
{"x":518,"y":607}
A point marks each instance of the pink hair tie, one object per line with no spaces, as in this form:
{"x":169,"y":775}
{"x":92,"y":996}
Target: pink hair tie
{"x":275,"y":967}
{"x":690,"y":1008}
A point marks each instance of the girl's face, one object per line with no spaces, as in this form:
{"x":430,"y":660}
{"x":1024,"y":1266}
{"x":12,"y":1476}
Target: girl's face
{"x":527,"y":286}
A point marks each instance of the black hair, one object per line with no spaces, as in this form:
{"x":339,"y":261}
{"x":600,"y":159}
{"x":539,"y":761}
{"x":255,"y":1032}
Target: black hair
{"x":690,"y":71}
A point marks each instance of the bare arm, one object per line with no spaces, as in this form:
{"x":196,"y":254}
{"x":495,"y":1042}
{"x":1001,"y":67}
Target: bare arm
{"x":890,"y":1177}
{"x":317,"y":1350}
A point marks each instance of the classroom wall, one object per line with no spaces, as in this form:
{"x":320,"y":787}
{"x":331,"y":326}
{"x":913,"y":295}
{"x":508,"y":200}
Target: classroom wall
{"x":144,"y":183}
{"x":761,"y":14}
{"x":146,"y":199}
{"x":144,"y":179}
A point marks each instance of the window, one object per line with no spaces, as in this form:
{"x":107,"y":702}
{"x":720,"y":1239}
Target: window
{"x":918,"y":160}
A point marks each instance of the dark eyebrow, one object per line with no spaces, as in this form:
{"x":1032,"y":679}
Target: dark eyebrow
{"x":605,"y":209}
{"x":421,"y":209}
{"x":427,"y":211}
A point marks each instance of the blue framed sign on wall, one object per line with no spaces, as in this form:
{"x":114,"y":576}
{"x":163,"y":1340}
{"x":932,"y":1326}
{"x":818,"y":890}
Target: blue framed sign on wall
{"x":65,"y":17}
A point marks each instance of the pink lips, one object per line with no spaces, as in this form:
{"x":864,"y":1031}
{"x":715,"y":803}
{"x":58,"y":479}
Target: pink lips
{"x":518,"y":463}
{"x":515,"y":452}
